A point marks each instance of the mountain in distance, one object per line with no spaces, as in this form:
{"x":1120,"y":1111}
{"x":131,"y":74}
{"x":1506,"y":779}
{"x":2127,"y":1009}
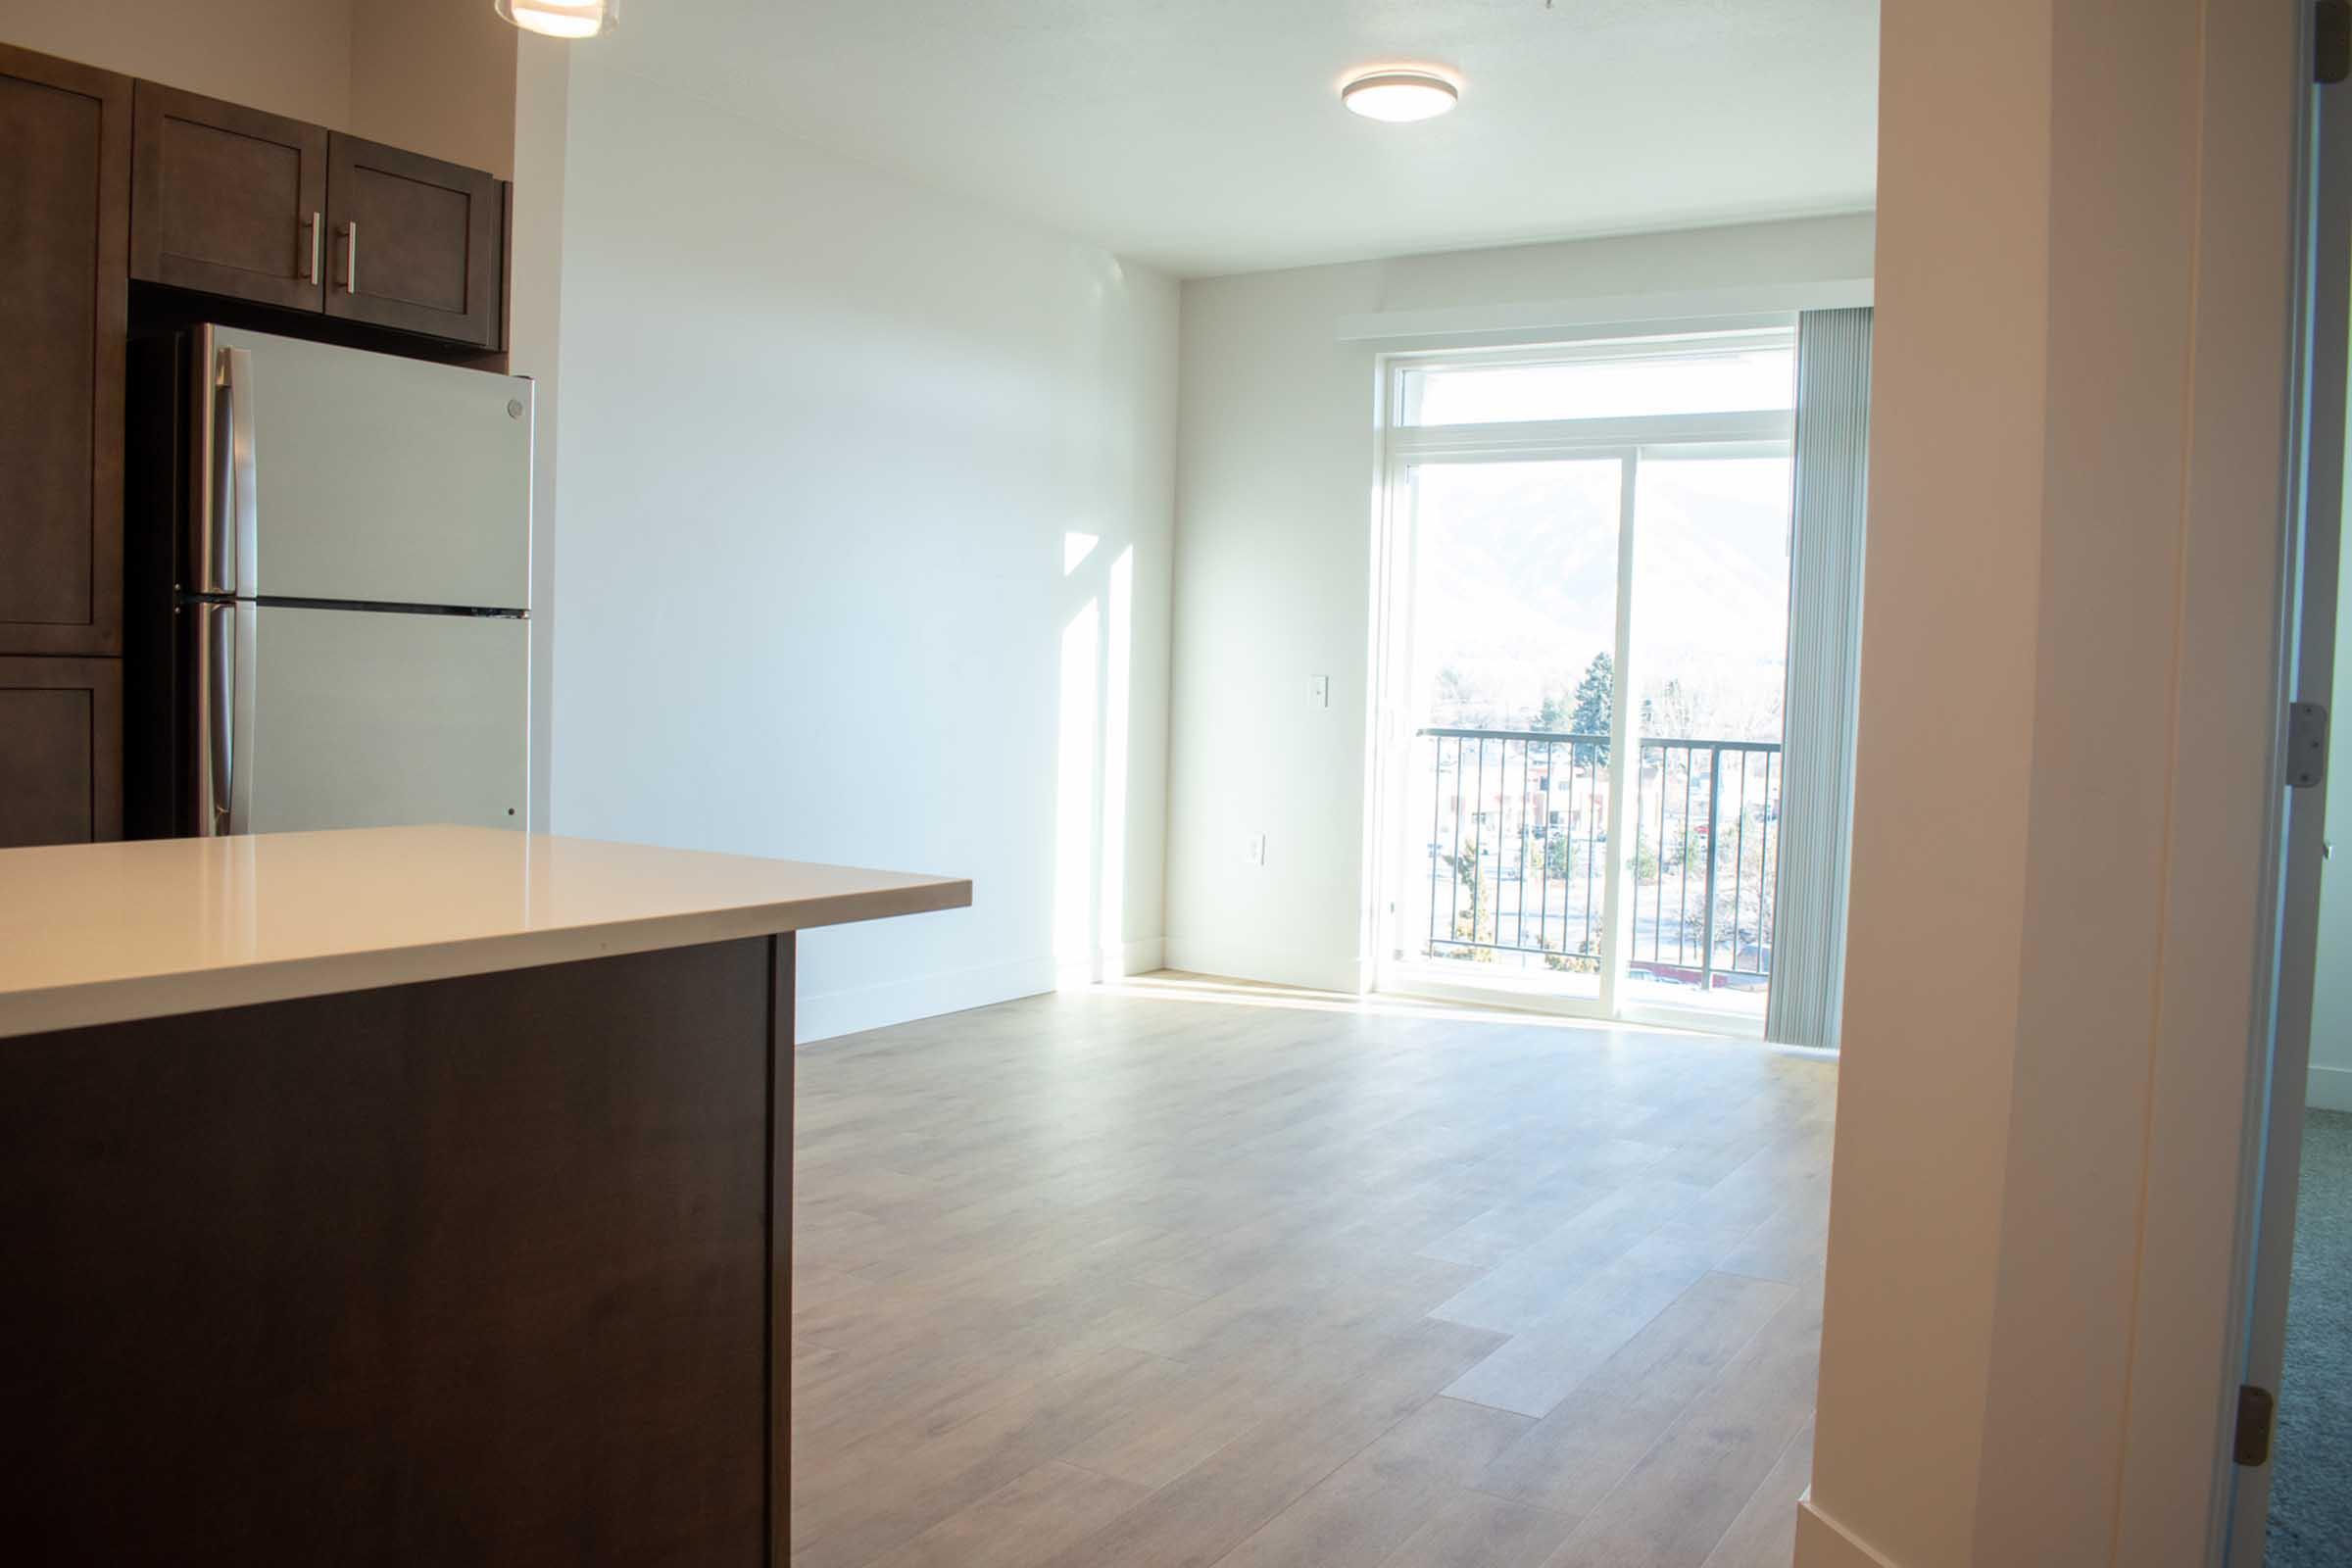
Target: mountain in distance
{"x":1517,"y":578}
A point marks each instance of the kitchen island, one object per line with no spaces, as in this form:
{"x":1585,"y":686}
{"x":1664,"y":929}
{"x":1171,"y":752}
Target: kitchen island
{"x":401,"y":1195}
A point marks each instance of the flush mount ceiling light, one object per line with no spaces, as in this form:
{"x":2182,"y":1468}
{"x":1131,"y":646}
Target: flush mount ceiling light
{"x":560,"y":18}
{"x":1399,"y":96}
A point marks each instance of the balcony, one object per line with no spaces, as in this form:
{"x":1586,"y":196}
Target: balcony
{"x":1519,"y":862}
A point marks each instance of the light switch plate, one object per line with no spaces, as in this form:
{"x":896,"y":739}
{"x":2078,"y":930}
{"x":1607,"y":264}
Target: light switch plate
{"x":1319,"y":687}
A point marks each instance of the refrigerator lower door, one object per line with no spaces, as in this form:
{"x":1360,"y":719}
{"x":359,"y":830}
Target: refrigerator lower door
{"x":371,"y":718}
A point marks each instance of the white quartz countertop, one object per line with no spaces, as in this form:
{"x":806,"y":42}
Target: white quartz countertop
{"x":100,"y":933}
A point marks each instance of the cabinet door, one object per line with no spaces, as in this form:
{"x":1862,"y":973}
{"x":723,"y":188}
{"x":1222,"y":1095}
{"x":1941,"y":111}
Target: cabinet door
{"x":228,"y":200}
{"x":61,"y":751}
{"x":65,"y":193}
{"x":415,"y":242}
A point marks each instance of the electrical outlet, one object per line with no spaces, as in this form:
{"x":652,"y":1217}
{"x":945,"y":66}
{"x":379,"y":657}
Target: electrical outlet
{"x":1255,"y":850}
{"x":1319,"y":688}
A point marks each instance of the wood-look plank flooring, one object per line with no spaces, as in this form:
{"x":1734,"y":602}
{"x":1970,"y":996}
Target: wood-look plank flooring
{"x":1146,"y":1278}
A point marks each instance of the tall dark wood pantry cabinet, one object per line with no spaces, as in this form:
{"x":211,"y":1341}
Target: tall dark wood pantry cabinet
{"x":64,"y":179}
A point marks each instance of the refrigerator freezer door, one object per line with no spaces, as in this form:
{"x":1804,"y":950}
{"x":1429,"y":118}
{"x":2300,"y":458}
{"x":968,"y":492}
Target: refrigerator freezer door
{"x":365,"y":478}
{"x":373,"y":719}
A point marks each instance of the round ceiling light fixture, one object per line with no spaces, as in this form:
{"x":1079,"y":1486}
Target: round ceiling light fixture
{"x":1399,"y":96}
{"x":560,"y":18}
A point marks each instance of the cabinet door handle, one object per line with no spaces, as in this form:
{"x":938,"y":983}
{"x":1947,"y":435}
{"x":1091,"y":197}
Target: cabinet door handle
{"x":318,"y":233}
{"x":351,"y":257}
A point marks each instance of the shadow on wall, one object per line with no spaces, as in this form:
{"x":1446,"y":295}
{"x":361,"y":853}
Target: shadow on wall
{"x":1090,"y":788}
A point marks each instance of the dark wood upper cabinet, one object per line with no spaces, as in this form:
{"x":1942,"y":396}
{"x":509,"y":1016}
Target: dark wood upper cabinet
{"x":61,"y":751}
{"x":417,"y":242}
{"x":63,"y":197}
{"x":228,"y":200}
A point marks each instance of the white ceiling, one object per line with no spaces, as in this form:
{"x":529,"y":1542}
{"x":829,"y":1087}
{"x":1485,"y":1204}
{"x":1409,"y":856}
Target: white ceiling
{"x":1205,"y":136}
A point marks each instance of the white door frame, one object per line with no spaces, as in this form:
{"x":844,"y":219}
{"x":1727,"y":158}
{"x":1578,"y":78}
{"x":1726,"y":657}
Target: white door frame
{"x":2276,"y":1181}
{"x":2218,"y":982}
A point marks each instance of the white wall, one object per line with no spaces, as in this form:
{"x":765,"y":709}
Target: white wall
{"x":436,"y":76}
{"x":2076,"y":511}
{"x":290,"y":57}
{"x":1273,"y":567}
{"x":824,"y":434}
{"x":2332,"y":990}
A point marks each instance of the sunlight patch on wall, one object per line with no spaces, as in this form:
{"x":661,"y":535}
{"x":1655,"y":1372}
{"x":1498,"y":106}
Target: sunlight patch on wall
{"x":1110,"y":908}
{"x":1074,"y":787}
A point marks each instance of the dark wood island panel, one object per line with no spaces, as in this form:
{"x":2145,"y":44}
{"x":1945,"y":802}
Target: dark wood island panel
{"x":492,"y":1269}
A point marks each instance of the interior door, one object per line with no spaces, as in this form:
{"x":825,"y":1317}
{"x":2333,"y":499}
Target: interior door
{"x":380,"y":479}
{"x":373,"y":719}
{"x":2330,"y":363}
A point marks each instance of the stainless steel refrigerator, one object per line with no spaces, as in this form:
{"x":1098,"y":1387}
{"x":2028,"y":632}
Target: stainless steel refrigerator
{"x":344,"y":640}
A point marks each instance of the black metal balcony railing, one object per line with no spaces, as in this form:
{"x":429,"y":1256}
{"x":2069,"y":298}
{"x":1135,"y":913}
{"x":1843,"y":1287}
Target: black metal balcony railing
{"x":1519,"y":839}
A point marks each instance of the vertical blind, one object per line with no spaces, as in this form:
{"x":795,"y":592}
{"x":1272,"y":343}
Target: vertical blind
{"x":1825,"y":663}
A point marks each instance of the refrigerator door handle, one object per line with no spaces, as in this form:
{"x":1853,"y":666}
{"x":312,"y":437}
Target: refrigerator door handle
{"x":242,"y":572}
{"x":244,"y":713}
{"x":215,"y":764}
{"x":225,"y":670}
{"x":215,"y":532}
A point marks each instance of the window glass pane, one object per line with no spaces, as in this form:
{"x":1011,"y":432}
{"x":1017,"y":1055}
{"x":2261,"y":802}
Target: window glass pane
{"x":1714,"y":381}
{"x":1516,"y":588}
{"x":1711,"y":596}
{"x":1710,"y":654}
{"x":1506,"y":793}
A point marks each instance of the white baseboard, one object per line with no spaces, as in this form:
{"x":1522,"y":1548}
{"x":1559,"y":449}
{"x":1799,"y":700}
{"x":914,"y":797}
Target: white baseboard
{"x":1140,"y":957}
{"x":1268,"y":964}
{"x":2329,"y":1089}
{"x":824,"y":1014}
{"x":1824,"y":1542}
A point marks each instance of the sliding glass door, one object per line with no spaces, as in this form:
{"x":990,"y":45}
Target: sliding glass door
{"x":1583,"y":651}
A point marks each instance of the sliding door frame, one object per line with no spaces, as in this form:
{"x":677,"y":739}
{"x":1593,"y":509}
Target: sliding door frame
{"x":1403,"y":449}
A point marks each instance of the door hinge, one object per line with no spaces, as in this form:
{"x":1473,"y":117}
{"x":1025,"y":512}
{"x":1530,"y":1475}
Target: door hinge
{"x":2332,"y":42}
{"x":2306,"y":743}
{"x":2252,"y":1445}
